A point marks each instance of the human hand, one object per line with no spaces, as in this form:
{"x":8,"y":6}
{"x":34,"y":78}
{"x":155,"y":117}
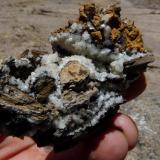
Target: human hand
{"x":113,"y":144}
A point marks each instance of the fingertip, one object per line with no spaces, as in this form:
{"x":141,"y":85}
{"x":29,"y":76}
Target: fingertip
{"x":114,"y":146}
{"x":128,"y":127}
{"x":13,"y":145}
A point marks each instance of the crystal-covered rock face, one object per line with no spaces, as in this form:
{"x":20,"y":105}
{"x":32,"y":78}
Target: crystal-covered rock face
{"x":58,"y":98}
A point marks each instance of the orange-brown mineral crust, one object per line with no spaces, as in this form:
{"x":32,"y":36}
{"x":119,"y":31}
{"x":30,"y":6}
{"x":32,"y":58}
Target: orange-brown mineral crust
{"x":115,"y":34}
{"x":120,"y":29}
{"x":60,"y":30}
{"x":97,"y":36}
{"x":87,"y":10}
{"x":96,"y":20}
{"x":113,"y":13}
{"x":133,"y":37}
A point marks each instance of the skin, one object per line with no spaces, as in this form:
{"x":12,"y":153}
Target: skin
{"x":121,"y":135}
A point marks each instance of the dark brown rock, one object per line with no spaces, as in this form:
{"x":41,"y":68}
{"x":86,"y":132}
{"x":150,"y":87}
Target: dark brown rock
{"x":138,"y":64}
{"x":43,"y":87}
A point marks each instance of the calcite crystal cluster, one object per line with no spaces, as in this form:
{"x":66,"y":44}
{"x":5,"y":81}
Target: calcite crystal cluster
{"x":59,"y":98}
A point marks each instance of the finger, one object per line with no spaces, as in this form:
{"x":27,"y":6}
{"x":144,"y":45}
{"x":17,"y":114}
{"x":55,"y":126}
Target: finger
{"x":31,"y":153}
{"x":12,"y":146}
{"x":128,"y":127}
{"x":136,"y":88}
{"x":113,"y":146}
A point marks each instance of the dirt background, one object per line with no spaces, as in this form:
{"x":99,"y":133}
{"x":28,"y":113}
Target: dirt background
{"x":152,"y":4}
{"x":28,"y":23}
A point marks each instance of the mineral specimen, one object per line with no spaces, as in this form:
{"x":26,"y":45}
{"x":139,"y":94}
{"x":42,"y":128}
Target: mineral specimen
{"x":59,"y":98}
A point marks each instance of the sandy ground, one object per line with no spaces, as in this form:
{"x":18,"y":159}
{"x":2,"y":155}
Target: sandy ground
{"x":152,"y":4}
{"x":27,"y":23}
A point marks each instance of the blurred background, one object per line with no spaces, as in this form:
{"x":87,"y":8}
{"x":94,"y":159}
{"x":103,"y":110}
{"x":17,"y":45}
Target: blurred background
{"x":28,"y":23}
